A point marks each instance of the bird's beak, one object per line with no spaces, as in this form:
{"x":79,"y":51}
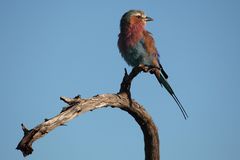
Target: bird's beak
{"x":149,"y":19}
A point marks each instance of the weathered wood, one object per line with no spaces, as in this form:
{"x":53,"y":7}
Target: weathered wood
{"x":77,"y":106}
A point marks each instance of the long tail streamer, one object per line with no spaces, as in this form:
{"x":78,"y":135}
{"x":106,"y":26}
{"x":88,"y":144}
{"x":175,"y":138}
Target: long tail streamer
{"x":163,"y":81}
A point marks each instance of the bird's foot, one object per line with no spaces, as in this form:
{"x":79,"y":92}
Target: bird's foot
{"x":153,"y":70}
{"x":144,"y":68}
{"x":148,"y":68}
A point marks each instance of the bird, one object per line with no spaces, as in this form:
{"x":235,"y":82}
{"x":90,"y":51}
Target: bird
{"x":137,"y":47}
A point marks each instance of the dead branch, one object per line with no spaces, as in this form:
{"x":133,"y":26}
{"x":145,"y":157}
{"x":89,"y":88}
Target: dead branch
{"x":77,"y":106}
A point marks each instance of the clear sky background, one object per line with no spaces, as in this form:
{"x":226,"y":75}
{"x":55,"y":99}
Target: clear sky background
{"x":59,"y":48}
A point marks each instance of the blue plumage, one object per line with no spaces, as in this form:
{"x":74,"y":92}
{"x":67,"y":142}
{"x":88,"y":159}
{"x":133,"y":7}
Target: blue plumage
{"x":137,"y":55}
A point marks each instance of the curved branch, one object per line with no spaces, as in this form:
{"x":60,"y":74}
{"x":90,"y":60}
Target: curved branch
{"x":78,"y":106}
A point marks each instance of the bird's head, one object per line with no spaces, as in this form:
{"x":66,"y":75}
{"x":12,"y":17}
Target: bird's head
{"x":134,"y":18}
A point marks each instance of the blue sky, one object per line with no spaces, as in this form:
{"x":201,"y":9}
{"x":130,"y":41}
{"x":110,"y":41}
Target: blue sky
{"x":58,"y":48}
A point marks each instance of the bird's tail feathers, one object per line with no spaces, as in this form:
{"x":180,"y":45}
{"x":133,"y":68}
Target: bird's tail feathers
{"x":163,"y":72}
{"x":162,"y":79}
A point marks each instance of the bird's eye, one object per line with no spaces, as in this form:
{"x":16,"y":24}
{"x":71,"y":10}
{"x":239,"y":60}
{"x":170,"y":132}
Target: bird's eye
{"x":139,"y":17}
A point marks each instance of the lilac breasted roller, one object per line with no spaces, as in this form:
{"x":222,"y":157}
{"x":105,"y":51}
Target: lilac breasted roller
{"x":137,"y":47}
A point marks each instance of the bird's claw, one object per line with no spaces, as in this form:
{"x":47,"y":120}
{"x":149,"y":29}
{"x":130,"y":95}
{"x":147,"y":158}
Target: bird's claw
{"x":153,"y":70}
{"x":147,"y":68}
{"x":144,"y":68}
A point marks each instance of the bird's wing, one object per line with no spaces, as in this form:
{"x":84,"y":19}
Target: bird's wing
{"x":149,"y":46}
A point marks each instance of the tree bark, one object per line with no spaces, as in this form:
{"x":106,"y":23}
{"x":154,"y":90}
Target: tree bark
{"x":77,"y":106}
